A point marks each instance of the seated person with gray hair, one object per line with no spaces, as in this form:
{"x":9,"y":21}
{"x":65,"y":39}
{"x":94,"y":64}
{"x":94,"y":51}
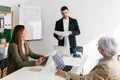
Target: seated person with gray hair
{"x":107,"y":69}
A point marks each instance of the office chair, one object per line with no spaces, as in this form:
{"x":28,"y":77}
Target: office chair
{"x":79,"y":49}
{"x":3,"y":67}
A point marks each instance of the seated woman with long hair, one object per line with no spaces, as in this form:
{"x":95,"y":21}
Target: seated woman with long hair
{"x":19,"y":51}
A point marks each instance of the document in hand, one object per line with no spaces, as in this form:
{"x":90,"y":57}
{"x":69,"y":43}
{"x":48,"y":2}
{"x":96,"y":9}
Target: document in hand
{"x":61,"y":33}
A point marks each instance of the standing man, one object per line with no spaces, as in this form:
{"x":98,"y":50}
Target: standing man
{"x":69,"y":25}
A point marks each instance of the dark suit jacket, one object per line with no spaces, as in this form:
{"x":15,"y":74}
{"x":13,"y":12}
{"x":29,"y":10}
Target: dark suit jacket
{"x":73,"y":26}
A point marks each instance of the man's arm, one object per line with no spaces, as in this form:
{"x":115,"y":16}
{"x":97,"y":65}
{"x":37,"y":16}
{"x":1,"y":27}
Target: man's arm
{"x":55,"y":35}
{"x":77,"y":30}
{"x":33,"y":55}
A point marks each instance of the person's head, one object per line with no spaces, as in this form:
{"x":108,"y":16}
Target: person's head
{"x":64,"y":12}
{"x":107,"y":46}
{"x":19,"y":33}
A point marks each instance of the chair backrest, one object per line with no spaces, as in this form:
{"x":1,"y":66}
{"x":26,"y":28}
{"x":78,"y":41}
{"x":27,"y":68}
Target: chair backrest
{"x":79,"y":49}
{"x":3,"y":67}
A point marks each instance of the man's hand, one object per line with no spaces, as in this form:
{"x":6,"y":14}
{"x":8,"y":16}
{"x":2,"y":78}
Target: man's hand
{"x":60,"y":37}
{"x":70,"y":32}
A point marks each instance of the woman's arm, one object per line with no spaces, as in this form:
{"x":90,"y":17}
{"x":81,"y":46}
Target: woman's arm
{"x":33,"y":55}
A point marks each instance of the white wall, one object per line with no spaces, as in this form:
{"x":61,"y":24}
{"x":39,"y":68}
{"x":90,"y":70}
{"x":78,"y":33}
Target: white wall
{"x":14,"y":6}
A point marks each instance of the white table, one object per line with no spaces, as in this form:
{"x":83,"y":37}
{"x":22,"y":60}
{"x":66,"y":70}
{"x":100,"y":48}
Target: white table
{"x":47,"y":72}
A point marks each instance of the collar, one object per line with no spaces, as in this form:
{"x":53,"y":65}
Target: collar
{"x":107,"y":58}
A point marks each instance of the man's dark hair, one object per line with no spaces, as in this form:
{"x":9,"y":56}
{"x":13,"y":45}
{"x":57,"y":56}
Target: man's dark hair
{"x":64,"y":8}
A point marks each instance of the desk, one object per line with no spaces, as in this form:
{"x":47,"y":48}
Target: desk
{"x":47,"y":72}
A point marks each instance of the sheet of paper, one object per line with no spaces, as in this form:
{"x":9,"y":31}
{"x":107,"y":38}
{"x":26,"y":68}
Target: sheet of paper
{"x":35,"y":69}
{"x":61,"y":33}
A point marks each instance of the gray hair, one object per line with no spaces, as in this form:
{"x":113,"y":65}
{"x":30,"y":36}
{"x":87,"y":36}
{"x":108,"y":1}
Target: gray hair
{"x":108,"y":45}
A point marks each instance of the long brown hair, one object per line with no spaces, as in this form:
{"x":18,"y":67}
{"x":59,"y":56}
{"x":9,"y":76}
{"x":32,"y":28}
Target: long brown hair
{"x":17,"y":39}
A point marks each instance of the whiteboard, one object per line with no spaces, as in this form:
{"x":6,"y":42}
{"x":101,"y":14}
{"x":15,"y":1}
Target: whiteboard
{"x":30,"y":17}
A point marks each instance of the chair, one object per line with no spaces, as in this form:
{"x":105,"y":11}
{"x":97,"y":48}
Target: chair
{"x":79,"y":49}
{"x":3,"y":67}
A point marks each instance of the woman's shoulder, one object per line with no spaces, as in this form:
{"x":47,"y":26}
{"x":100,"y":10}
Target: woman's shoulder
{"x":105,"y":63}
{"x":13,"y":44}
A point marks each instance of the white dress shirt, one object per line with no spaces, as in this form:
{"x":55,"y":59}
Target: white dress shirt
{"x":66,"y":29}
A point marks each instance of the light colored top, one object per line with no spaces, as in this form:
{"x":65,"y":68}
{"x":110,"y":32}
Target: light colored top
{"x":66,"y":29}
{"x":23,"y":47}
{"x":109,"y":69}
